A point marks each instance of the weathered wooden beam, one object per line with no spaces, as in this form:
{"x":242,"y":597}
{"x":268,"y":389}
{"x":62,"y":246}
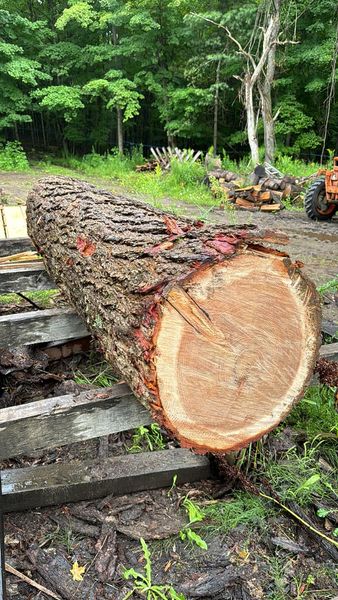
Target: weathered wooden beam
{"x":67,"y":419}
{"x":23,"y":279}
{"x":13,"y":246}
{"x":2,"y":549}
{"x":330,"y":328}
{"x":40,"y":326}
{"x":60,"y":483}
{"x":329,"y":351}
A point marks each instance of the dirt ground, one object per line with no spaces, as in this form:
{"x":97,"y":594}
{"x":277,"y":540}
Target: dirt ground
{"x":273,"y":559}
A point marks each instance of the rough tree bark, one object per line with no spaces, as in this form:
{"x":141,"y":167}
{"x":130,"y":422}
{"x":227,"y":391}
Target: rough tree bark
{"x":216,"y":334}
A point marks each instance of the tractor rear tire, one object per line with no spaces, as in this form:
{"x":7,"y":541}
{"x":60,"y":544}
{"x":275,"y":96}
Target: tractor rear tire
{"x":316,"y":206}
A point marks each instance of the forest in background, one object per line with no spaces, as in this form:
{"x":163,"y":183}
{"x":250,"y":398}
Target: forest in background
{"x":94,"y":74}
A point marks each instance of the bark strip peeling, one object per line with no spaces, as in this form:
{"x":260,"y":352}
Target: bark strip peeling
{"x":215,"y":333}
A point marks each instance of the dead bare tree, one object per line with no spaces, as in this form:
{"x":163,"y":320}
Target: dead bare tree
{"x":259,"y":72}
{"x":265,"y":82}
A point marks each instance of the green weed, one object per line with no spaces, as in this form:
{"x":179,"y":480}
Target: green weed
{"x":143,"y":582}
{"x":316,"y":412}
{"x":13,"y":157}
{"x":60,"y":537}
{"x":290,"y":204}
{"x":147,"y":438}
{"x":195,"y":515}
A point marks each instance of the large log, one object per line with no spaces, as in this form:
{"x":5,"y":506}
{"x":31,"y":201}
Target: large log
{"x":216,"y":334}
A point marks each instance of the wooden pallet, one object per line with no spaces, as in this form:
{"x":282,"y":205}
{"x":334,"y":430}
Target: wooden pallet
{"x":63,"y":420}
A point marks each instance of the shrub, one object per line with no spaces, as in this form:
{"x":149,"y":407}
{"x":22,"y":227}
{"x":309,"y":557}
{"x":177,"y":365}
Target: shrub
{"x":186,"y":173}
{"x":13,"y":157}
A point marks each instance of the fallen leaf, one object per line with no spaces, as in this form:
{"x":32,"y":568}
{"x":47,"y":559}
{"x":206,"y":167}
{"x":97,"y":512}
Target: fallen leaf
{"x":77,"y":572}
{"x":167,"y":566}
{"x":243,"y":554}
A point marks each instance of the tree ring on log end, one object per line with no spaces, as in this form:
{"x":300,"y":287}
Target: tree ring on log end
{"x":236,"y":345}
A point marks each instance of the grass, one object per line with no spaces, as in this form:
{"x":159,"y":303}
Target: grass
{"x":60,"y":537}
{"x":182,"y":184}
{"x":44,"y":299}
{"x":98,"y":373}
{"x":242,"y":509}
{"x":296,"y":474}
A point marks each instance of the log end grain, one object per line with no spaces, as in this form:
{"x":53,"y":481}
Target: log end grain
{"x":235,"y":350}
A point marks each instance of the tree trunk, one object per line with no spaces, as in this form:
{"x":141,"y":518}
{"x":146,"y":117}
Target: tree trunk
{"x":119,"y":117}
{"x":251,"y":120}
{"x":216,"y":334}
{"x":265,"y":82}
{"x":216,"y":103}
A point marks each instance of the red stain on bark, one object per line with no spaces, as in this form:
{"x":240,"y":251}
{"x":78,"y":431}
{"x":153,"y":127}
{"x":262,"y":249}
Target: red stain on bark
{"x":221,"y":246}
{"x":144,"y":343}
{"x":153,"y":287}
{"x":172,"y":226}
{"x":198,"y":224}
{"x":85,"y":247}
{"x":70,"y":262}
{"x":166,"y":245}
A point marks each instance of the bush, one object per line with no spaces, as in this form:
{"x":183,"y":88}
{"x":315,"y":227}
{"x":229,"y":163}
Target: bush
{"x":13,"y":157}
{"x":186,"y":173}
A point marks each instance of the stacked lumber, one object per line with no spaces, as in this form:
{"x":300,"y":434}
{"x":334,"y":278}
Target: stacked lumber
{"x":223,"y":176}
{"x":266,"y":192}
{"x":256,"y":197}
{"x":148,"y":166}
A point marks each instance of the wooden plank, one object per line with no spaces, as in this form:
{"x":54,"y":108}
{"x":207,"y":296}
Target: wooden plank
{"x":2,"y":549}
{"x":62,"y":420}
{"x":329,"y":351}
{"x":2,"y":229}
{"x":39,"y":326}
{"x":60,"y":483}
{"x":24,"y":279}
{"x":15,"y":221}
{"x":330,"y":328}
{"x":8,"y":247}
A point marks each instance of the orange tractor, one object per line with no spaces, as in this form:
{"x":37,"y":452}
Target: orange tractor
{"x":321,"y":199}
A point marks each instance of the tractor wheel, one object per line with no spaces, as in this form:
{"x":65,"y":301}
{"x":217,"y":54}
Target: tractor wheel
{"x":316,"y":205}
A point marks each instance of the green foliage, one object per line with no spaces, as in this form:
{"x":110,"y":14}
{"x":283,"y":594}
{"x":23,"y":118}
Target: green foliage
{"x":13,"y":157}
{"x":147,"y":438}
{"x":143,"y":582}
{"x":66,"y":67}
{"x":60,"y":99}
{"x":315,"y":413}
{"x":296,"y":475}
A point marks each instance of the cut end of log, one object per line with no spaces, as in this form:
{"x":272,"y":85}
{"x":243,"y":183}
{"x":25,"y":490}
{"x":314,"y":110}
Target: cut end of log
{"x":234,"y":350}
